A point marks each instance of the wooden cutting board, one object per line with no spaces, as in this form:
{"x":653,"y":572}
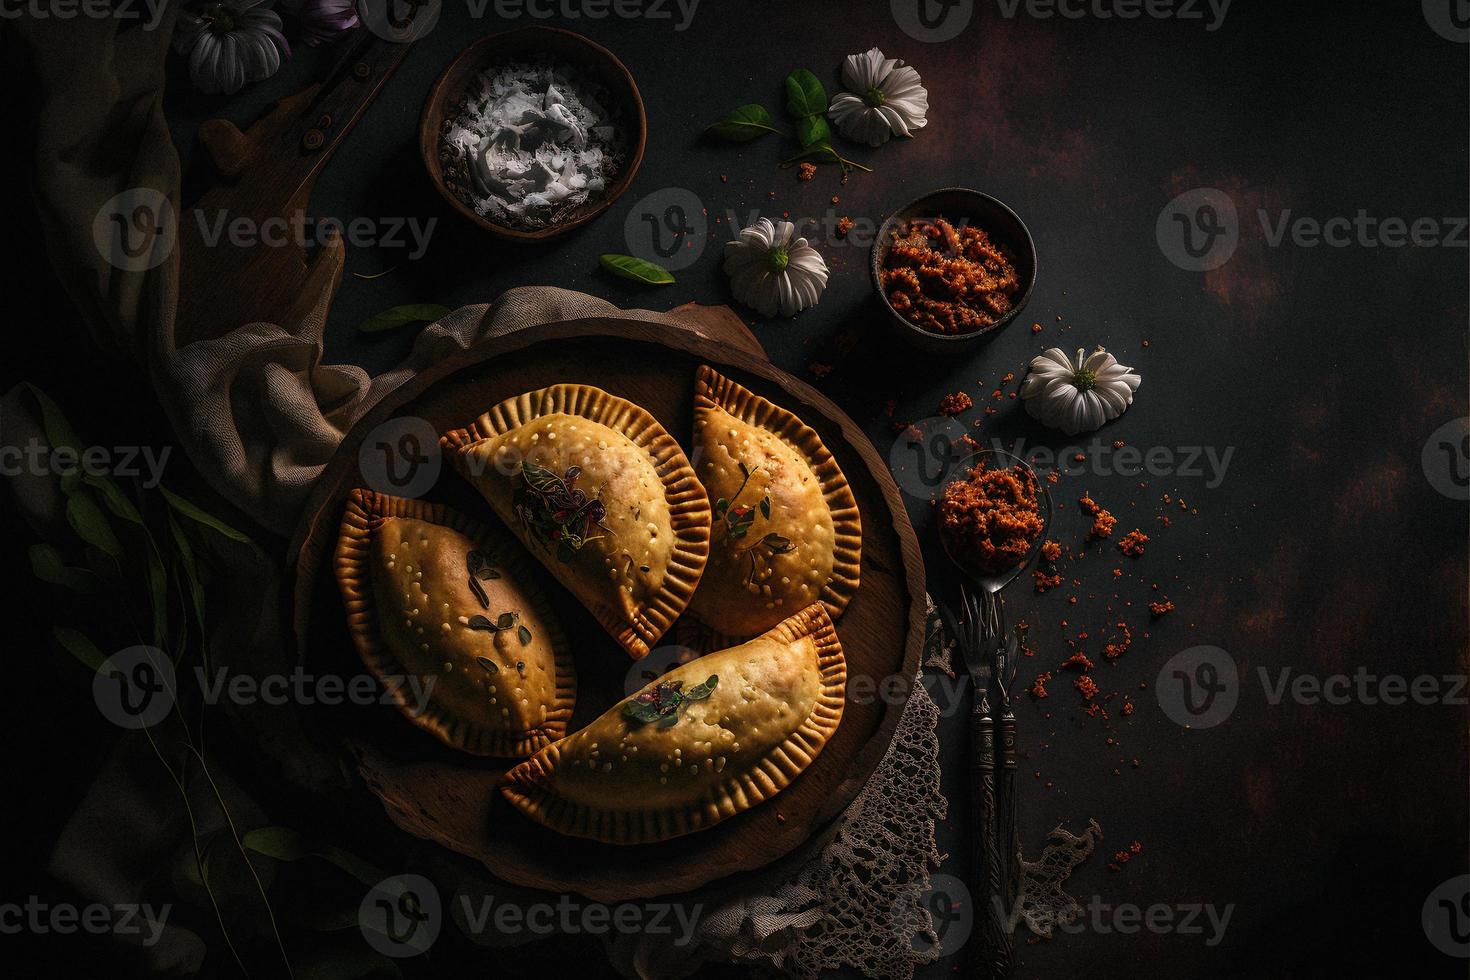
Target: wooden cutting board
{"x":436,"y":793}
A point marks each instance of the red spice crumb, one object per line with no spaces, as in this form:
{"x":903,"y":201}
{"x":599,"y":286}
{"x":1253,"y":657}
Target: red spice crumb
{"x":836,"y":199}
{"x":1159,"y":608}
{"x":889,"y":407}
{"x":1087,"y":504}
{"x":910,"y":431}
{"x":1038,"y":686}
{"x":1136,"y":847}
{"x":844,"y":225}
{"x":1036,"y":328}
{"x":1045,"y":582}
{"x":1009,"y":377}
{"x":1117,"y":443}
{"x":1051,"y":550}
{"x":1117,"y":573}
{"x":819,"y":370}
{"x":780,"y":818}
{"x":956,"y":403}
{"x":1079,"y":660}
{"x":1145,"y":343}
{"x":1086,"y":686}
{"x":1052,"y":477}
{"x":1102,"y":525}
{"x":997,"y":394}
{"x":1137,"y":764}
{"x":724,"y":179}
{"x":1079,"y":457}
{"x":1127,"y":707}
{"x":970,"y":444}
{"x":1132,"y":543}
{"x":806,"y":171}
{"x":1113,"y":651}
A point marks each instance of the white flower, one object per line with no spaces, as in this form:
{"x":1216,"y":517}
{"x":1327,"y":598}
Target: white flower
{"x":1078,"y":395}
{"x":771,"y":269}
{"x":231,"y":43}
{"x":890,"y":99}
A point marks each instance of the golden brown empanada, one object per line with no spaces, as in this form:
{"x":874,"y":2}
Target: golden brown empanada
{"x":601,"y":494}
{"x":786,"y":529}
{"x":437,"y":597}
{"x":706,"y":741}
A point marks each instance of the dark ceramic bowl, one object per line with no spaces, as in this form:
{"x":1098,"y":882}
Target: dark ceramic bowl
{"x":523,"y":43}
{"x":1005,"y":228}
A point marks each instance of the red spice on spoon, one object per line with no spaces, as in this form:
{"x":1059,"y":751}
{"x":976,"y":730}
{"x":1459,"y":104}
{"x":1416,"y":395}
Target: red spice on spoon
{"x":990,"y":519}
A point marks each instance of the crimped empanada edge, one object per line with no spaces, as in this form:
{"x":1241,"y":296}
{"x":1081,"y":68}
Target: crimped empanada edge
{"x":352,"y":567}
{"x":689,"y":513}
{"x":529,"y":786}
{"x":714,"y":390}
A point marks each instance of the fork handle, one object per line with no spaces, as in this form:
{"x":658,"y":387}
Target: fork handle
{"x":1007,"y":832}
{"x":991,"y":957}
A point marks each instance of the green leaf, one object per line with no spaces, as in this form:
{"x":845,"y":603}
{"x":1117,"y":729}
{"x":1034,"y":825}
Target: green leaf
{"x":766,"y":507}
{"x":48,"y":565}
{"x":805,"y":95}
{"x":74,"y":643}
{"x":743,"y":124}
{"x":113,"y":497}
{"x":157,"y":594}
{"x":199,"y":516}
{"x":505,"y":621}
{"x":191,"y":567}
{"x":59,"y":432}
{"x":636,"y":269}
{"x":524,"y":635}
{"x":701,"y":691}
{"x":823,"y":152}
{"x":91,"y":525}
{"x":811,"y":130}
{"x":285,"y":844}
{"x":399,"y":316}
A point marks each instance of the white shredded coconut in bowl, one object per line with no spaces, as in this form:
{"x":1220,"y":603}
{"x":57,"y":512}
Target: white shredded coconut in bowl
{"x":529,"y":144}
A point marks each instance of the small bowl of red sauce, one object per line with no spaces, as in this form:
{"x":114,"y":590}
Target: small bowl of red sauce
{"x":952,"y":267}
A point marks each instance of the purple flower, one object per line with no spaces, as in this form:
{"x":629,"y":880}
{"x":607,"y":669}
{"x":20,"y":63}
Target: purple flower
{"x":322,"y":21}
{"x":230,"y":43}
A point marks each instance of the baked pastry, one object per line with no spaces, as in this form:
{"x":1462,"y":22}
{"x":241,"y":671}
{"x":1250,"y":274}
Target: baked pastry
{"x":786,"y":530}
{"x":451,"y":617}
{"x":601,"y":494}
{"x":708,"y":740}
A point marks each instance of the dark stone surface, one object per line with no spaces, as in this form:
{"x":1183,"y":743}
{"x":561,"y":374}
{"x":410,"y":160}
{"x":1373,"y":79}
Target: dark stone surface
{"x":1321,"y":549}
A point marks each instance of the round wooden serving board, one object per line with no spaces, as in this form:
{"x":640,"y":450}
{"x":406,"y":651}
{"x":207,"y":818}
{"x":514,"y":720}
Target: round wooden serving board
{"x":445,"y":796}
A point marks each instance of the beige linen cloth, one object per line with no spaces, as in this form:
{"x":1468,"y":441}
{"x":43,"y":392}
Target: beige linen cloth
{"x":260,"y":414}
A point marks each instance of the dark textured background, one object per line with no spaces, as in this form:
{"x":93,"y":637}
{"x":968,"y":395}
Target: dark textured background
{"x":1324,"y":370}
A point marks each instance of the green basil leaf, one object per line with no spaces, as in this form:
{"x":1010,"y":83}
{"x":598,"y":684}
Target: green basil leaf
{"x":805,"y":95}
{"x":524,"y":635}
{"x":113,"y":497}
{"x":399,"y":316}
{"x":74,"y":643}
{"x":636,"y":269}
{"x":200,"y":516}
{"x":91,"y":525}
{"x":505,"y":621}
{"x":743,"y":124}
{"x":811,"y":130}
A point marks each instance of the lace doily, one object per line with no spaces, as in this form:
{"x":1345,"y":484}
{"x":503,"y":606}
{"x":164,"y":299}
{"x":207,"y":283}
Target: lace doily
{"x":860,"y":901}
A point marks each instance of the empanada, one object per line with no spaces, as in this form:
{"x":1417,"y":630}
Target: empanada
{"x":601,"y":494}
{"x":435,"y":596}
{"x":786,"y":530}
{"x":706,"y":741}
